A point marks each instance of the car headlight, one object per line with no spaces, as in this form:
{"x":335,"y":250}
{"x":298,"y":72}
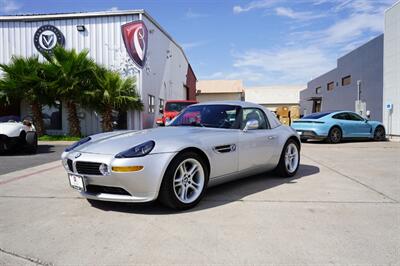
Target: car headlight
{"x":78,"y":143}
{"x":137,"y":151}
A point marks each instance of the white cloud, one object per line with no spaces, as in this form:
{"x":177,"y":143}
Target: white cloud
{"x":290,"y":13}
{"x":260,"y":4}
{"x":114,"y":8}
{"x":193,"y":15}
{"x":9,"y":6}
{"x":190,"y":45}
{"x":243,"y":74}
{"x":285,"y":65}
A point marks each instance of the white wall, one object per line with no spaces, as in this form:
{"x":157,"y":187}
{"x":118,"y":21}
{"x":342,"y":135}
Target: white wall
{"x":161,"y":76}
{"x":391,"y":70}
{"x":164,"y":73}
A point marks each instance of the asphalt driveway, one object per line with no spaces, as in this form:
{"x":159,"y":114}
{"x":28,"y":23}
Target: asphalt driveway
{"x":343,"y":207}
{"x":17,"y":160}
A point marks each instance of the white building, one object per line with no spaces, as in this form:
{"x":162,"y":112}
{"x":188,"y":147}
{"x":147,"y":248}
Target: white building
{"x":274,"y":96}
{"x":130,"y":42}
{"x":219,"y":90}
{"x":391,"y":71}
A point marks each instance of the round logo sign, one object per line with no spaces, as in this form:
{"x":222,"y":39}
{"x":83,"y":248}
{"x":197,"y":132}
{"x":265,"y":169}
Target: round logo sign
{"x":46,"y":37}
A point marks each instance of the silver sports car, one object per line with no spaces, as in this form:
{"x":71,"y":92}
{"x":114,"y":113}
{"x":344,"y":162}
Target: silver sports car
{"x":206,"y":144}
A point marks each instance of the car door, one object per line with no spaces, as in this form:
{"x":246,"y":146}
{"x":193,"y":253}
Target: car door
{"x":358,"y":126}
{"x":256,"y":147}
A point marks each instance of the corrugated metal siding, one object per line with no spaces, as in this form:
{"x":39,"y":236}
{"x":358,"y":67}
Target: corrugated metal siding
{"x":162,"y":77}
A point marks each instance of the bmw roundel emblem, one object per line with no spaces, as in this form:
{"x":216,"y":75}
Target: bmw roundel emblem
{"x":77,"y":155}
{"x":47,"y":37}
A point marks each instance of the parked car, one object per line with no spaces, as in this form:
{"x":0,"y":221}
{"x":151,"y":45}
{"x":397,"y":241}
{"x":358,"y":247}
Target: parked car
{"x":334,"y":126}
{"x":17,"y":135}
{"x":204,"y":145}
{"x":171,"y":109}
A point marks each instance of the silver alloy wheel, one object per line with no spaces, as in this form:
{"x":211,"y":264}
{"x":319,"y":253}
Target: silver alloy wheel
{"x":291,"y":157}
{"x":188,"y":180}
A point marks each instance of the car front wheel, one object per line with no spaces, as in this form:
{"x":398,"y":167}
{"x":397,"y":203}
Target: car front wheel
{"x":31,"y":142}
{"x":184,"y":182}
{"x":379,"y":133}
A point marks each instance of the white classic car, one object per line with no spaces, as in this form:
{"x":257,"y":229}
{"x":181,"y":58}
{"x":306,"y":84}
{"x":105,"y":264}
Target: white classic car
{"x":206,"y":144}
{"x":17,"y":135}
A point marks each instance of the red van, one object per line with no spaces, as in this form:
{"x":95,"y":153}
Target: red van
{"x":171,"y":109}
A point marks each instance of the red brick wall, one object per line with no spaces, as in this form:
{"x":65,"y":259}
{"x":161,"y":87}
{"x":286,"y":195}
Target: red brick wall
{"x":191,"y":84}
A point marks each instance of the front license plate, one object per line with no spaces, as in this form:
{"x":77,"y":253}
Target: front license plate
{"x":76,"y":182}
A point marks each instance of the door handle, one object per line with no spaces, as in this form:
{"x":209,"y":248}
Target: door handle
{"x":271,"y":137}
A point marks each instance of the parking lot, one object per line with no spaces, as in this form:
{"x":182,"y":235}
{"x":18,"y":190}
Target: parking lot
{"x":341,"y":208}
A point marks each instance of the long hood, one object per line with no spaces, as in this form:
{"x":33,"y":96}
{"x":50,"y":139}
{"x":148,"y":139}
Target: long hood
{"x":10,"y":129}
{"x":166,"y":139}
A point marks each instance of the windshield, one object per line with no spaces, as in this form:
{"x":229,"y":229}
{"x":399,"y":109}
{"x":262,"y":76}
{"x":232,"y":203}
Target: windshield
{"x":9,"y":118}
{"x":176,"y":106}
{"x":216,"y":116}
{"x":316,"y":115}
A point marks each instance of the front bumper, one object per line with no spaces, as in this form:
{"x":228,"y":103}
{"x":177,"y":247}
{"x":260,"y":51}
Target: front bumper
{"x":138,"y":186}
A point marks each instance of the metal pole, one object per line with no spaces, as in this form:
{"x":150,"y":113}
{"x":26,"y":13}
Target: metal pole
{"x":358,"y":90}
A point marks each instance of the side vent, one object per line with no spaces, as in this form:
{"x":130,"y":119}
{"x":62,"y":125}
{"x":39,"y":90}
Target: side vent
{"x":225,"y":148}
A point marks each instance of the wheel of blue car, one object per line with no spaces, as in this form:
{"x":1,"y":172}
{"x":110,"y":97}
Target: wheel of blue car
{"x":184,"y":182}
{"x":379,"y":133}
{"x":335,"y":135}
{"x":31,"y":143}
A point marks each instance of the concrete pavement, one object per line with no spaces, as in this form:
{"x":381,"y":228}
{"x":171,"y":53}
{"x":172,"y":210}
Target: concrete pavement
{"x":342,"y":208}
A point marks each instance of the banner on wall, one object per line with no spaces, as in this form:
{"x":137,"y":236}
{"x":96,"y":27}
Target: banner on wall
{"x":135,"y":37}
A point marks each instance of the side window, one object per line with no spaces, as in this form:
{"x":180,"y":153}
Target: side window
{"x":355,"y":117}
{"x":254,"y":114}
{"x":341,"y":116}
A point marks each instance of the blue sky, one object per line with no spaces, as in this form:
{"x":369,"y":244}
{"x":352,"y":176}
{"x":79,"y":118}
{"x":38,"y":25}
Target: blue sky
{"x":263,"y":42}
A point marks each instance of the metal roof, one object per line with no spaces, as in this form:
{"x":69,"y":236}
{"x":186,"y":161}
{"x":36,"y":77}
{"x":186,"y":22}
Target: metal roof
{"x":59,"y":16}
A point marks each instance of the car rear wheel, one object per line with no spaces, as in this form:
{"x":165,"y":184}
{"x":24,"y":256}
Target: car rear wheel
{"x":335,"y":135}
{"x":31,"y":142}
{"x":290,"y":159}
{"x":184,"y":182}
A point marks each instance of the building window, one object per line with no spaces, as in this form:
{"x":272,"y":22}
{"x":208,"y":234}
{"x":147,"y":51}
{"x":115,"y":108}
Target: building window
{"x":161,"y":108}
{"x":318,"y":90}
{"x":52,"y":117}
{"x":151,"y":104}
{"x":346,"y":80}
{"x":330,"y":86}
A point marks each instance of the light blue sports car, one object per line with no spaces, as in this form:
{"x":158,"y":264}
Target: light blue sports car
{"x":335,"y":126}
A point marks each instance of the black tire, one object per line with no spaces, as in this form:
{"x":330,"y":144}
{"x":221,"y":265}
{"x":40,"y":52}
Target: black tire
{"x":281,"y":169}
{"x":335,"y":135}
{"x":379,"y":133}
{"x":167,"y":195}
{"x":31,"y":142}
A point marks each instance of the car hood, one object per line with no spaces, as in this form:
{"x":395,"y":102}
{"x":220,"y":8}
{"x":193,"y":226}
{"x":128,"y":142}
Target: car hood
{"x":164,"y":137}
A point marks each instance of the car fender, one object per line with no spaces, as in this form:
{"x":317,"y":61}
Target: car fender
{"x":11,"y":129}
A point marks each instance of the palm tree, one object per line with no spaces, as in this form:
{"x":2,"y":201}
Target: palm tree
{"x":25,"y":79}
{"x":112,"y":93}
{"x":73,"y":75}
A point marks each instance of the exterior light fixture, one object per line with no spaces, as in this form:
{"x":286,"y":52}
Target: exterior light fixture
{"x":80,"y":28}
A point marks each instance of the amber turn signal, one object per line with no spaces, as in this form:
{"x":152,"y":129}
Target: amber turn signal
{"x":134,"y":168}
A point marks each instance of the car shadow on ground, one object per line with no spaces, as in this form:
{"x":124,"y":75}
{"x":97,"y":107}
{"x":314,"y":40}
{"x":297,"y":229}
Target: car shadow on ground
{"x":215,"y":196}
{"x":42,"y":149}
{"x":321,"y":142}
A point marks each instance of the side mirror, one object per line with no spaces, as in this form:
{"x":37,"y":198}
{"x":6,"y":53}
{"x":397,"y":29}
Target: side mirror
{"x":161,"y":111}
{"x":251,"y":125}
